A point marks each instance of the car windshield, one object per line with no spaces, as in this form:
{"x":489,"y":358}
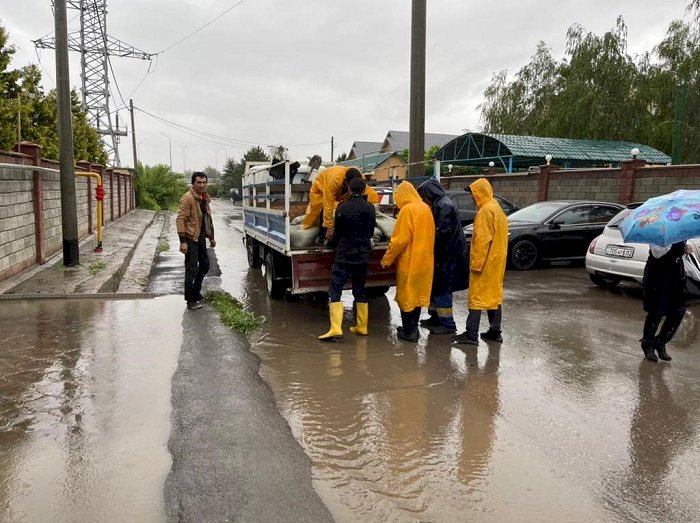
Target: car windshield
{"x":615,"y":222}
{"x":535,"y":213}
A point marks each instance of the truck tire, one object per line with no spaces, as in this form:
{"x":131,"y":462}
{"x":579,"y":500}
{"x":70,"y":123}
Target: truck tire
{"x":252,"y":248}
{"x":275,"y":277}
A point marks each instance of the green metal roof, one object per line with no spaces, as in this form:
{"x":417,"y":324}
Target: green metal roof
{"x":369,"y":162}
{"x":514,"y":152}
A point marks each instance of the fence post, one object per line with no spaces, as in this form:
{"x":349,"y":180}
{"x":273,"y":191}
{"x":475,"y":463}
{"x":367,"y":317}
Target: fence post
{"x":543,"y":188}
{"x":86,"y":166}
{"x":628,"y":176}
{"x":34,"y":150}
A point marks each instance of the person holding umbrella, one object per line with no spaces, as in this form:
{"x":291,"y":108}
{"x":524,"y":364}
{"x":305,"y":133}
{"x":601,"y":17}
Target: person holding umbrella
{"x":665,"y":222}
{"x":664,"y":297}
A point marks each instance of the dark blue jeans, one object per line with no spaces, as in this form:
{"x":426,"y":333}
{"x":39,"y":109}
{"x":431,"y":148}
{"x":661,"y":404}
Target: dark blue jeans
{"x":196,"y":266}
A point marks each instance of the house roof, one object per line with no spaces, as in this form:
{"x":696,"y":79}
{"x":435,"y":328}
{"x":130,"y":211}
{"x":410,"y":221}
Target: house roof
{"x":370,"y":162}
{"x":360,"y":149}
{"x":513,"y":152}
{"x":398,"y":140}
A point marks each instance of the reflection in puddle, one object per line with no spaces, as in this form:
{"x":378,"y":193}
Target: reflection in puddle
{"x":85,"y":407}
{"x":557,"y":424}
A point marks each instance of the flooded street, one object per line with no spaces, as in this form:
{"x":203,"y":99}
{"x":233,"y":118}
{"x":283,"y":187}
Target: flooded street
{"x":85,"y":408}
{"x":563,"y":422}
{"x":139,"y":410}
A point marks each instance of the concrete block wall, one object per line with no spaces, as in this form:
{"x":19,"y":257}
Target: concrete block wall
{"x":53,"y":228}
{"x":30,"y":207}
{"x":17,"y":248}
{"x":595,"y":185}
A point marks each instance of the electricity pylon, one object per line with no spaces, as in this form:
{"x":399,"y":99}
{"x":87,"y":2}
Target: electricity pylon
{"x":95,"y":47}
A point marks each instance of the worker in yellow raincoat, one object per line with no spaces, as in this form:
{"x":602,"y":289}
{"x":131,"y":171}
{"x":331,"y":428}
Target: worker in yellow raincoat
{"x":487,"y":265}
{"x":411,"y":247}
{"x":328,"y":190}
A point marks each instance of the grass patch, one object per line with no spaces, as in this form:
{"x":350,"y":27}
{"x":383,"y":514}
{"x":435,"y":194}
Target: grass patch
{"x":97,"y":267}
{"x":162,"y":246}
{"x":232,"y":313}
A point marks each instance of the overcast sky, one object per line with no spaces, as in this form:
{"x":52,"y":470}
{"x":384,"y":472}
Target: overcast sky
{"x":296,"y":72}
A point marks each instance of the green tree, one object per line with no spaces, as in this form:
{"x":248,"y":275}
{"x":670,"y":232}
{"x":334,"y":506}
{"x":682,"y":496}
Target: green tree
{"x":157,"y":187}
{"x":21,"y":94}
{"x":598,"y":91}
{"x":342,"y":157}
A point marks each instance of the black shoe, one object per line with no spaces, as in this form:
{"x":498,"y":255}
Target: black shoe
{"x":433,"y":321}
{"x":440,"y":329}
{"x":661,"y":350}
{"x":491,"y":335}
{"x":464,"y":338}
{"x":412,"y":337}
{"x":648,"y":349}
{"x":194,"y":305}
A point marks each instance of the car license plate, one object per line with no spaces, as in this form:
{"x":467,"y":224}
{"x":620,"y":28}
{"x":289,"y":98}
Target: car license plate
{"x":619,"y":252}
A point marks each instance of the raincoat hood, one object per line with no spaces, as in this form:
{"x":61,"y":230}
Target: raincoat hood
{"x":406,"y":193}
{"x":431,"y":189}
{"x":482,"y":191}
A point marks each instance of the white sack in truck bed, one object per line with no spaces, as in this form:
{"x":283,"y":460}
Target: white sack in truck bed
{"x":303,"y":238}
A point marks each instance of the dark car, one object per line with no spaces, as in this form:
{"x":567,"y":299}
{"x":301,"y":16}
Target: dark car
{"x":467,"y":210}
{"x":554,"y":230}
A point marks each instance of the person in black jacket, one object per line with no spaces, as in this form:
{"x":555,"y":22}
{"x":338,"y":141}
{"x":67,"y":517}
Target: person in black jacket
{"x":354,"y":228}
{"x":664,"y":296}
{"x":451,"y":270}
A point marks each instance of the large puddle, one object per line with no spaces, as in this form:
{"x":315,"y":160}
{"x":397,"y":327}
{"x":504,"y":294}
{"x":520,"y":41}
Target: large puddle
{"x":85,"y":408}
{"x":563,"y":422}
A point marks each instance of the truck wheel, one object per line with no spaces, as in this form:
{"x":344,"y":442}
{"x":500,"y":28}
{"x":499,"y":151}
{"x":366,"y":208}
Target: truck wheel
{"x":252,"y":248}
{"x":274,"y":279}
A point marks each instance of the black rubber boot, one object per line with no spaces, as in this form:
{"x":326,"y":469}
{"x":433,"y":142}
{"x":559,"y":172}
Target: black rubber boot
{"x":409,"y":328}
{"x":492,"y":335}
{"x":432,"y":321}
{"x":661,"y":351}
{"x":648,"y":347}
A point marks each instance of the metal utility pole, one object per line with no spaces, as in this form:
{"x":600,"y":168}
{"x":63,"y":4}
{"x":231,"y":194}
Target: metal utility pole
{"x":416,"y":140}
{"x":69,"y":213}
{"x":133,"y":135}
{"x":679,"y":117}
{"x":170,"y":149}
{"x":95,"y":47}
{"x":332,"y":160}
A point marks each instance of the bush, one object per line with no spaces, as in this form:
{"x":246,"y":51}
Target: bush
{"x":158,"y":187}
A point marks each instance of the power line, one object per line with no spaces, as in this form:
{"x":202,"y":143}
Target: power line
{"x":222,"y":140}
{"x":205,"y":25}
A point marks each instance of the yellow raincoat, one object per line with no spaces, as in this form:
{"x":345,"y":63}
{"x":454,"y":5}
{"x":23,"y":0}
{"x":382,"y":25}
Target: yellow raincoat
{"x":327,"y":191}
{"x":489,"y":249}
{"x":412,"y":244}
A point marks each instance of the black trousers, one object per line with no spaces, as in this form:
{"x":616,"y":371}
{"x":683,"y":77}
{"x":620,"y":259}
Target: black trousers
{"x":340,"y":274}
{"x":474,"y":320}
{"x":196,"y":266}
{"x":668,"y":329}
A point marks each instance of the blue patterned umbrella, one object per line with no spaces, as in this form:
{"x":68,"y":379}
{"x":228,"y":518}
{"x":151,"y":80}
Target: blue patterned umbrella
{"x":664,"y":220}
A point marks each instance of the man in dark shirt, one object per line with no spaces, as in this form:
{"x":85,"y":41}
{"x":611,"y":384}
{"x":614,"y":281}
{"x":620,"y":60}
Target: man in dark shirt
{"x":354,"y":228}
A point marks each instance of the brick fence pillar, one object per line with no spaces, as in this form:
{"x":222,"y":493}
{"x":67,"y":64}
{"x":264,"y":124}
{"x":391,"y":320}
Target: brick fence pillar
{"x":34,"y":150}
{"x":110,"y":173}
{"x":628,"y":175}
{"x":86,"y":166}
{"x":543,"y":188}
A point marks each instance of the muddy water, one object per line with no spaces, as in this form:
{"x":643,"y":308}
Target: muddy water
{"x":84,"y":408}
{"x":562,"y":422}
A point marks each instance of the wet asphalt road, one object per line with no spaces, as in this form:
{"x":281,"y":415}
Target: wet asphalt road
{"x":139,"y":410}
{"x":564,"y":421}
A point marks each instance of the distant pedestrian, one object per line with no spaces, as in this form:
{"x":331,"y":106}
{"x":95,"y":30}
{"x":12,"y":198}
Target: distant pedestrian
{"x":354,"y":227}
{"x":487,"y":265}
{"x":664,"y":296}
{"x":411,"y":247}
{"x":451,"y":266}
{"x":194,"y":225}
